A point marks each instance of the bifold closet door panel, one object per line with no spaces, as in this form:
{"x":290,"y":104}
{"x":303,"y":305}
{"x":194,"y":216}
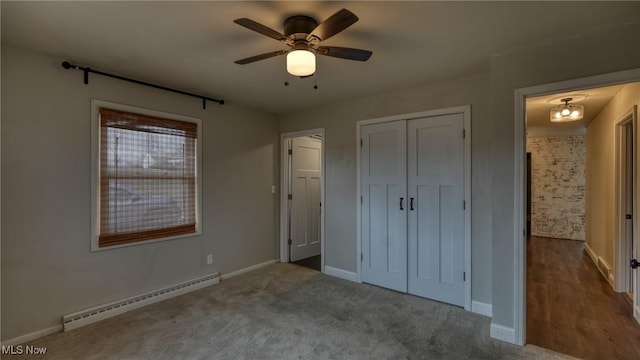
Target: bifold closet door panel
{"x":384,"y":205}
{"x":435,"y":176}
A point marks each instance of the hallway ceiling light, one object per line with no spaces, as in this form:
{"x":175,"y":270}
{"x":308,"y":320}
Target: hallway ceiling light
{"x":566,"y":112}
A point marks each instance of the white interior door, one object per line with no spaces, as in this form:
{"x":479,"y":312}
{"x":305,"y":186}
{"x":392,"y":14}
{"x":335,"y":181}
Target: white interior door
{"x":384,"y":216}
{"x":305,"y":197}
{"x":636,"y":282}
{"x":436,"y":208}
{"x":635,"y":207}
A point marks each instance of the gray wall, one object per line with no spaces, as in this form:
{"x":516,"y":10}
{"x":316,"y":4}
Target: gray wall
{"x":47,"y":267}
{"x":590,"y":52}
{"x":339,"y":121}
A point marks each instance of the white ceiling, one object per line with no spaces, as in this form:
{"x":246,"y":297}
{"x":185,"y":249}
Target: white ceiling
{"x":193,"y":45}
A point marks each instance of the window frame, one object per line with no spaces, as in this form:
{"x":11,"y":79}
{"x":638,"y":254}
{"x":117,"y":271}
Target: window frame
{"x":95,"y":171}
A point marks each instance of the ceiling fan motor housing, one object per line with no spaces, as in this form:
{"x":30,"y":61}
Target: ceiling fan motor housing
{"x":299,"y":24}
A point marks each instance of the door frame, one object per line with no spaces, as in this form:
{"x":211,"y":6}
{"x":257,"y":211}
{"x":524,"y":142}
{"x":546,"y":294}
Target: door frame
{"x":621,"y":256}
{"x":465,"y":110}
{"x":519,"y":134}
{"x":284,"y":191}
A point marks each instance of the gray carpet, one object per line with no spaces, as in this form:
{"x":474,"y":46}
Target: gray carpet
{"x":288,"y":312}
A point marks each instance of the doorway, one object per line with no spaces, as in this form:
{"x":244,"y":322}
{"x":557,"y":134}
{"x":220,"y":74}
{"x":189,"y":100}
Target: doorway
{"x":626,"y":193}
{"x":302,"y":198}
{"x":522,"y":256}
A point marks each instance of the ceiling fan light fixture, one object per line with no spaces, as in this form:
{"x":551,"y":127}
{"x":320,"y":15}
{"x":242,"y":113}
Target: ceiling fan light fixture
{"x":301,"y":62}
{"x":566,"y":112}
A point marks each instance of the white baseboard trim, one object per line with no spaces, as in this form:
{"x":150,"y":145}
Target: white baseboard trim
{"x":503,"y":333}
{"x":247,"y":269}
{"x":482,"y":308}
{"x":339,"y":273}
{"x":32,"y":336}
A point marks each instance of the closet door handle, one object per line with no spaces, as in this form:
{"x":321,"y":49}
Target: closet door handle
{"x":401,"y":200}
{"x":411,"y":204}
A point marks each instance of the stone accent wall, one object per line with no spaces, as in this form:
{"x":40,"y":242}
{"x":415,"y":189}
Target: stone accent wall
{"x":558,"y":186}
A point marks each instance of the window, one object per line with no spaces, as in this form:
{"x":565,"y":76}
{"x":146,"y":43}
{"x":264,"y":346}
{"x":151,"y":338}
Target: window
{"x":147,"y":182}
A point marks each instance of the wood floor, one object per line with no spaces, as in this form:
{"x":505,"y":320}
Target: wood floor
{"x":571,"y":309}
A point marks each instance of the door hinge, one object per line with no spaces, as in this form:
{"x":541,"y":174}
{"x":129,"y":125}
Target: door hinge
{"x":361,"y":257}
{"x":629,"y":217}
{"x":464,"y":133}
{"x":361,"y":200}
{"x":290,"y":196}
{"x":634,"y":264}
{"x":290,"y":152}
{"x":464,"y":205}
{"x":289,"y":242}
{"x":360,"y":142}
{"x":464,"y":276}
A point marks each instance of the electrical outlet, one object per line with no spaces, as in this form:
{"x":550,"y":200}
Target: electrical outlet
{"x":209,"y":259}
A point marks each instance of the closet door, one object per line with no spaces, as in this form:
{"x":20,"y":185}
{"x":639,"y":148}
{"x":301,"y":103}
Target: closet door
{"x":384,"y":205}
{"x":435,"y":177}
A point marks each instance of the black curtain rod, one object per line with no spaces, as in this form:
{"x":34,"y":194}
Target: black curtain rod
{"x":67,"y":65}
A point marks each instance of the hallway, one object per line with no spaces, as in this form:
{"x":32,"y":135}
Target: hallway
{"x":571,"y":309}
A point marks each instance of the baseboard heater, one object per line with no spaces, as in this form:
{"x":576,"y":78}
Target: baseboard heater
{"x":605,"y":270}
{"x":101,"y":312}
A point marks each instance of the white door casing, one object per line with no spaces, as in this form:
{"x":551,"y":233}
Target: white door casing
{"x":435,"y":179}
{"x":634,"y":188}
{"x":305,"y":202}
{"x":518,"y":335}
{"x":384,"y":217}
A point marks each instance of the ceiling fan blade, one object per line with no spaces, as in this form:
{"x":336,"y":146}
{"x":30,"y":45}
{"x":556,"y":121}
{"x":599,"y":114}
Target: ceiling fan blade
{"x":261,"y":57}
{"x":333,"y":25}
{"x":344,"y":53}
{"x":259,"y":28}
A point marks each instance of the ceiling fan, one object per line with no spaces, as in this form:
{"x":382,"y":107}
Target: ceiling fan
{"x":303,"y":35}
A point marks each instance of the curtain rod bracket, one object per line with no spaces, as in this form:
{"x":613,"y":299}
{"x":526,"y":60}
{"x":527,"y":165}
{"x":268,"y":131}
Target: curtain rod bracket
{"x":86,"y":70}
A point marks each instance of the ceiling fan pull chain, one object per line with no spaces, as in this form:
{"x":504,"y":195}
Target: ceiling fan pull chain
{"x":286,"y":78}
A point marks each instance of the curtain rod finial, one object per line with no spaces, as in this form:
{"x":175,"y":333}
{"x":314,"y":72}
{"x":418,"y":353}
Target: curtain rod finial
{"x":67,"y":65}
